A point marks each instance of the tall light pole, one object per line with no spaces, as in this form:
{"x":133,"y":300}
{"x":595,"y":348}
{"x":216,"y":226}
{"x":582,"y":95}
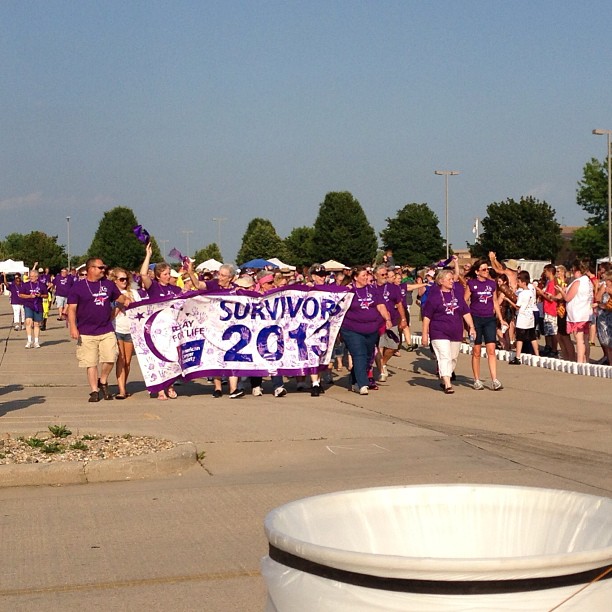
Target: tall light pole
{"x":219,"y":221}
{"x":607,"y":133}
{"x":164,"y":243}
{"x":446,"y":174}
{"x":187,"y":232}
{"x":68,"y":232}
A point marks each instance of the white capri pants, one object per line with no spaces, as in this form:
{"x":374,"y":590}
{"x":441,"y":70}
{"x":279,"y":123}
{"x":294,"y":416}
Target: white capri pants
{"x":446,"y":353}
{"x":18,"y":314}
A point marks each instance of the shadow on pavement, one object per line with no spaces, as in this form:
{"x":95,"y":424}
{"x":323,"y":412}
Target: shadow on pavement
{"x":11,"y":405}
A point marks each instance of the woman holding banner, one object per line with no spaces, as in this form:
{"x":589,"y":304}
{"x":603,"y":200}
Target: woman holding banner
{"x":360,"y":327}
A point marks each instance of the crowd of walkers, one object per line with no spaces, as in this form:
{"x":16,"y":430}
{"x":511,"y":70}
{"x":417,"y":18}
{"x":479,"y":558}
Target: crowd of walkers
{"x":487,"y":302}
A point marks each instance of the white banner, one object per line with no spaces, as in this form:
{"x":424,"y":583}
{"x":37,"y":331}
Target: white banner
{"x":289,"y":331}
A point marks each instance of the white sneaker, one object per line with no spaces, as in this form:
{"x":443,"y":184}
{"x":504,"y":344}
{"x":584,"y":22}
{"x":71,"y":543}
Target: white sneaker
{"x":36,"y":345}
{"x":497,"y":385}
{"x":478,"y":385}
{"x":16,"y":327}
{"x":29,"y":345}
{"x":364,"y":390}
{"x":257,"y":391}
{"x":280,"y":392}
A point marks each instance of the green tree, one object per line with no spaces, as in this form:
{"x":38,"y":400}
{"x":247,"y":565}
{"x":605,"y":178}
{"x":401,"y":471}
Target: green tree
{"x":592,"y":192}
{"x":115,"y":242}
{"x":592,"y":196}
{"x":414,"y":235}
{"x":260,"y":240}
{"x":527,"y":228}
{"x":299,"y":248}
{"x":35,"y":246}
{"x":590,"y":242}
{"x":211,"y":251}
{"x":343,"y":232}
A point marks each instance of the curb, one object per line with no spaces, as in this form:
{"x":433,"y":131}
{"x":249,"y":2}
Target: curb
{"x":152,"y":465}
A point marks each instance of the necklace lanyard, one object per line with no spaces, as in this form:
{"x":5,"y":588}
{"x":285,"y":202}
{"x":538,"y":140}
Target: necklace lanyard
{"x":93,"y":295}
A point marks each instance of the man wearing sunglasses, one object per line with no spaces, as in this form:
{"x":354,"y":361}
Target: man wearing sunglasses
{"x":90,"y":323}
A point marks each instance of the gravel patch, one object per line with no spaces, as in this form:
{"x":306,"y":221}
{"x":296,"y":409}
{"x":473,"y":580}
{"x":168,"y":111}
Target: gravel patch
{"x":46,"y":448}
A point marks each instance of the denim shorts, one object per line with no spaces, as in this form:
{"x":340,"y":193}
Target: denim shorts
{"x":37,"y":317}
{"x":124,"y":337}
{"x":486,"y":329}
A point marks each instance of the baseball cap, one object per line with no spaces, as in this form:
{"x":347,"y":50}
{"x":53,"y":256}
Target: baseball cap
{"x":318,"y":269}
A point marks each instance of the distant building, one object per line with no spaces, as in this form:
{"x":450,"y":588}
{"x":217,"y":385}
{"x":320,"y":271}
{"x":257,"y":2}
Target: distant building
{"x":566,"y":255}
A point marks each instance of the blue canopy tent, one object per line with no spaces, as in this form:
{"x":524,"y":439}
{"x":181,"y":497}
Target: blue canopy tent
{"x":258,"y":263}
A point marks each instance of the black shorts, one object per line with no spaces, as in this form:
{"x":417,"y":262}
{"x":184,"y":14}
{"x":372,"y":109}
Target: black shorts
{"x":486,"y":329}
{"x":526,"y":335}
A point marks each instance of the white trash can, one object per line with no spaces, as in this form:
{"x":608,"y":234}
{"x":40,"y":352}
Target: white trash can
{"x":440,"y":548}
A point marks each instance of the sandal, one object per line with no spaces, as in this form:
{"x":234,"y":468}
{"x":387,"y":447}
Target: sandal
{"x":119,"y":396}
{"x":94,"y":396}
{"x":104,"y":390}
{"x":449,"y":390}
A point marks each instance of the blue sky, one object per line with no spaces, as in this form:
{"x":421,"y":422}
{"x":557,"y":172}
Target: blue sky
{"x":189,"y":110}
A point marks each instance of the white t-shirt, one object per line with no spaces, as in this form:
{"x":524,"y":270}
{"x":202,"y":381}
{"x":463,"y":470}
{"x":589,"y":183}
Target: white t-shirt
{"x":121,"y":323}
{"x":525,"y":302}
{"x":579,"y":308}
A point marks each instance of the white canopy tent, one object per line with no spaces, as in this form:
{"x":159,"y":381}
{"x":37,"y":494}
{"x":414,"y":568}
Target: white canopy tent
{"x":209,"y":264}
{"x":11,"y":266}
{"x":280,"y":264}
{"x":333,"y":265}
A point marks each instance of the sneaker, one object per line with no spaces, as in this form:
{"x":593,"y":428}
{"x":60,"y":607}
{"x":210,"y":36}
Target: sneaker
{"x":16,"y":327}
{"x":280,"y":392}
{"x":514,"y":361}
{"x":496,"y":386}
{"x":478,"y":385}
{"x":384,"y":374}
{"x":236,"y":394}
{"x":28,"y":345}
{"x":315,"y":391}
{"x":217,"y":393}
{"x":257,"y":391}
{"x":36,"y":345}
{"x":364,"y":391}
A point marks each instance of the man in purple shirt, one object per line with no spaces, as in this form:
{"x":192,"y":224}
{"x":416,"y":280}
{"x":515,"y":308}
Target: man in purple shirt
{"x":390,"y":339}
{"x":89,"y":320}
{"x":62,"y":283}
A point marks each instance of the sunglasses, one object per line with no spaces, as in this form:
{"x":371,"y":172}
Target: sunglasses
{"x":122,"y":279}
{"x":83,"y":274}
{"x":99,"y":267}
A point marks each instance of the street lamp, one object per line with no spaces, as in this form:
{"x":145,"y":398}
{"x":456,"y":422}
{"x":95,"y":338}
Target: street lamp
{"x":219,"y":221}
{"x":446,"y":174}
{"x":68,"y":228}
{"x":187,"y":232}
{"x":607,"y":133}
{"x":164,"y":243}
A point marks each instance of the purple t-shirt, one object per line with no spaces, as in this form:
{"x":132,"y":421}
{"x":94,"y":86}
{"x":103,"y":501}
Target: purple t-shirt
{"x":34,"y":288}
{"x":93,"y":300}
{"x":363,"y":316}
{"x":63,"y":284}
{"x":482,"y":295}
{"x":157,"y":290}
{"x":445,"y":312}
{"x":391,"y":295}
{"x":15,"y":289}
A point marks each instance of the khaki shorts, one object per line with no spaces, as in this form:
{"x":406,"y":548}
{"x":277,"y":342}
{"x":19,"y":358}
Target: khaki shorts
{"x":92,"y":350}
{"x":391,"y":338}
